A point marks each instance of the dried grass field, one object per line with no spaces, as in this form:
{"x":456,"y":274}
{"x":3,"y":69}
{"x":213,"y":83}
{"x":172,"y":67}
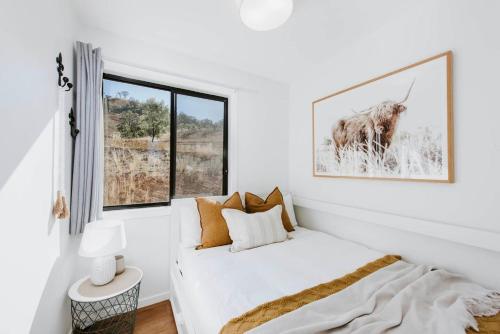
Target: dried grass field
{"x":137,"y":170}
{"x":416,"y":155}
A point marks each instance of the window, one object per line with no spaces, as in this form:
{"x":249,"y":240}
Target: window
{"x":161,"y":143}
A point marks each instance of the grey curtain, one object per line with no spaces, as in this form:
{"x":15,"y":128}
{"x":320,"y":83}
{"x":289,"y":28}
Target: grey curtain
{"x":87,"y":177}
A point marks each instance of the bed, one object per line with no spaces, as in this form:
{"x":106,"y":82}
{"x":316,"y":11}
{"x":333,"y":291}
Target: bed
{"x":212,"y":286}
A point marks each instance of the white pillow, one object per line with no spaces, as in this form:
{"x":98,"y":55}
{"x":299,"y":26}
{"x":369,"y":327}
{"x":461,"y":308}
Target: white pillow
{"x":289,"y":209}
{"x":190,"y":224}
{"x":250,"y":230}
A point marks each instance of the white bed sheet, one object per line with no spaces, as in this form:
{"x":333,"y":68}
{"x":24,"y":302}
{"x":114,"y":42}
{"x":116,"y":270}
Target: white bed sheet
{"x":222,"y":285}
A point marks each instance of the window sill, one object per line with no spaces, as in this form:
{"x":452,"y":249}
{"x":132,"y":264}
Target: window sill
{"x":138,"y":213}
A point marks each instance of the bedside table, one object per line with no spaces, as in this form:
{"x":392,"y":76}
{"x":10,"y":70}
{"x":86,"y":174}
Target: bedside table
{"x":108,"y":308}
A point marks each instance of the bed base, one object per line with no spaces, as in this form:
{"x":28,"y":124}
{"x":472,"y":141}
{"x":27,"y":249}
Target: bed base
{"x":185,"y":317}
{"x":184,"y":320}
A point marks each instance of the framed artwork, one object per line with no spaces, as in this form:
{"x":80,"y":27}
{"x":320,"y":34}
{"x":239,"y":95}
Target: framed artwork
{"x":398,"y":126}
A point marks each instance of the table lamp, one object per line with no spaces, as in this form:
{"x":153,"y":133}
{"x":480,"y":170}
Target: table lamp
{"x":101,"y":240}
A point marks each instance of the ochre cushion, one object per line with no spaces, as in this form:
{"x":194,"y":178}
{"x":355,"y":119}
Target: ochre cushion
{"x":254,"y":203}
{"x":214,"y":231}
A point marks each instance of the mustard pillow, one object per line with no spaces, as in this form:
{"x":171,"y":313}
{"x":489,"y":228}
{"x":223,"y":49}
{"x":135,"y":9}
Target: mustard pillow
{"x":214,"y":231}
{"x":254,"y":203}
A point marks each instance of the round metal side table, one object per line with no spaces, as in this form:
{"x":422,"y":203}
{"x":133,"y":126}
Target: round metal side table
{"x":106,"y":309}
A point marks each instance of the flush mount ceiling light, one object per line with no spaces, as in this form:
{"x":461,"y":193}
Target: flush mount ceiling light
{"x":262,"y":15}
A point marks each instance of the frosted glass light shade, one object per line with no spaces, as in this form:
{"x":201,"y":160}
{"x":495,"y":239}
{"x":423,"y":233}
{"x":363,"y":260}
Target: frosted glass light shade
{"x":262,"y":15}
{"x":103,"y":238}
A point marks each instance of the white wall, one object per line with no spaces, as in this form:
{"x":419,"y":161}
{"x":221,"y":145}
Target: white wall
{"x":423,"y":29}
{"x":261,"y":138}
{"x":148,"y":248}
{"x":36,"y":252}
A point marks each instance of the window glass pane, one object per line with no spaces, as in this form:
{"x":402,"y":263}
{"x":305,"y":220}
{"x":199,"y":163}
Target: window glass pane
{"x":200,"y":147}
{"x":136,"y":144}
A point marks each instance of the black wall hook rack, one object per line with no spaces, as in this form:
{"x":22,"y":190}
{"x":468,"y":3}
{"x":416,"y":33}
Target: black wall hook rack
{"x":62,"y":81}
{"x":72,"y":123}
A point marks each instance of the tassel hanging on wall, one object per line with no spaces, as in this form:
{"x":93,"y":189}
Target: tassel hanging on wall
{"x":60,"y":209}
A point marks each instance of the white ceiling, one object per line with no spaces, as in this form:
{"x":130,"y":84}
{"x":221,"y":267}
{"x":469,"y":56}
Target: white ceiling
{"x":212,"y":30}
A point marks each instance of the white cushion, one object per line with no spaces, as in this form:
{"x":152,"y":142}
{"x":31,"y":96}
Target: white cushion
{"x":190,"y":224}
{"x":289,"y":209}
{"x":250,"y":230}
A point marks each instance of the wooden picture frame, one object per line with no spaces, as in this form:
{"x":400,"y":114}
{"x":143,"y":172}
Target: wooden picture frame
{"x":367,"y":144}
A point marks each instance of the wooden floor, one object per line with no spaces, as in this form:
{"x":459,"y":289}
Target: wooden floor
{"x":155,"y":319}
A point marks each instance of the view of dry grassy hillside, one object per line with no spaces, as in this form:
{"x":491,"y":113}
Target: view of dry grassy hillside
{"x":137,"y":152}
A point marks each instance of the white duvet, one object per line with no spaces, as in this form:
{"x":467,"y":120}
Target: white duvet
{"x":223,"y":285}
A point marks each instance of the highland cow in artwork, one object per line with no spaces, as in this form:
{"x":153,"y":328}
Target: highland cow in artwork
{"x":400,"y":138}
{"x":370,"y":130}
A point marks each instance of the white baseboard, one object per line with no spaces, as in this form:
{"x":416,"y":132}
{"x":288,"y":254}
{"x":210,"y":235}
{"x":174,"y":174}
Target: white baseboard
{"x":150,"y":300}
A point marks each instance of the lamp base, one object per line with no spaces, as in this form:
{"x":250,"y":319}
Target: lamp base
{"x":103,"y":270}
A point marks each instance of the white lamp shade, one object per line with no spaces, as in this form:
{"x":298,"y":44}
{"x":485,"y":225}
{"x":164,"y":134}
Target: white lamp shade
{"x":262,"y":15}
{"x":103,"y":238}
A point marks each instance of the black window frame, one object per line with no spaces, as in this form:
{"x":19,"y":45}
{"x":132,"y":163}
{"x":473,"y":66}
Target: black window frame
{"x":174,"y":91}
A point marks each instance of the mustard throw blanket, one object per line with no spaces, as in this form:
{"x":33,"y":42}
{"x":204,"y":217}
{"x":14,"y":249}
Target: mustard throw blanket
{"x":384,"y":296}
